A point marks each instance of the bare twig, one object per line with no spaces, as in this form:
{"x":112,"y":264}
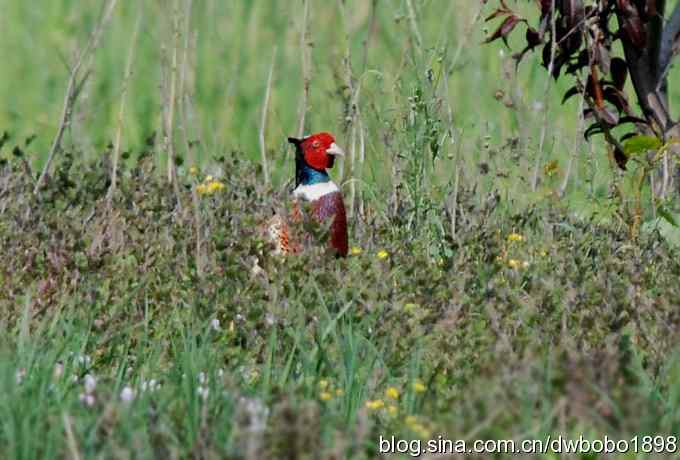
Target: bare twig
{"x":670,"y":39}
{"x":171,"y":99}
{"x":362,"y":157}
{"x":185,"y":49}
{"x":665,"y":181}
{"x":306,"y":72}
{"x":453,"y":140}
{"x":414,"y":24}
{"x":75,"y":85}
{"x":183,"y":92}
{"x":369,"y":34}
{"x":467,"y":35}
{"x":352,"y":156}
{"x":169,"y":85}
{"x":544,"y":126}
{"x":70,"y":437}
{"x":353,"y":110}
{"x":186,"y":82}
{"x":183,"y":75}
{"x":652,"y":187}
{"x":263,"y":121}
{"x":184,"y":97}
{"x":121,"y":111}
{"x":456,"y":187}
{"x":577,"y":146}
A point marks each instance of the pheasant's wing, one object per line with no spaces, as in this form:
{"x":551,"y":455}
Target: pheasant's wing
{"x":332,"y":206}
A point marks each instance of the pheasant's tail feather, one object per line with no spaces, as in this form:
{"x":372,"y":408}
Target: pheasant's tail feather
{"x":296,"y":215}
{"x":279,"y":234}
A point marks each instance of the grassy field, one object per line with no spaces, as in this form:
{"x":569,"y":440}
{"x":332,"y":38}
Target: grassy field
{"x":474,"y":305}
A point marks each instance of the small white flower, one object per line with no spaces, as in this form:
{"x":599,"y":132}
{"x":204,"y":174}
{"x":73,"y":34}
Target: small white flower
{"x":85,"y":360}
{"x":151,"y":385}
{"x":220,"y":373}
{"x":203,"y":392}
{"x":19,"y":375}
{"x":90,"y":383}
{"x":58,"y":370}
{"x":202,"y":378}
{"x":256,"y":270}
{"x":87,"y":399}
{"x":127,"y":394}
{"x":215,"y":324}
{"x":269,"y":319}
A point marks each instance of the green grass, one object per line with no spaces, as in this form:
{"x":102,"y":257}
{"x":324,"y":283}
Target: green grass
{"x":571,"y":331}
{"x":579,"y":340}
{"x":232,"y":46}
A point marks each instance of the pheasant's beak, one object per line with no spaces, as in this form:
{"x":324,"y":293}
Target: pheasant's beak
{"x":335,"y":150}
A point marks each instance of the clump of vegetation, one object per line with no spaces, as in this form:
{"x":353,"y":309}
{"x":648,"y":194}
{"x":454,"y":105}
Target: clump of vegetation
{"x":114,"y":340}
{"x":579,"y":40}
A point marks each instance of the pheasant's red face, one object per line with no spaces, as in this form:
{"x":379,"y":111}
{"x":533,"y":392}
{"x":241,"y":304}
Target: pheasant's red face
{"x":320,"y":150}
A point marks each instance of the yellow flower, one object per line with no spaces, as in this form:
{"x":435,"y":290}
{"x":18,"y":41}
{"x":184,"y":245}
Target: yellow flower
{"x":392,"y":393}
{"x":419,"y":386}
{"x":375,"y":404}
{"x":525,"y":264}
{"x":339,"y":392}
{"x":355,"y":251}
{"x":253,"y":376}
{"x":551,"y":168}
{"x":325,"y":396}
{"x":193,"y":171}
{"x":201,"y":189}
{"x":410,"y":307}
{"x":392,"y":410}
{"x":514,"y":264}
{"x":421,"y":431}
{"x":215,"y":186}
{"x":208,"y":178}
{"x":515,"y":237}
{"x":411,"y":420}
{"x":382,"y":254}
{"x":323,"y":384}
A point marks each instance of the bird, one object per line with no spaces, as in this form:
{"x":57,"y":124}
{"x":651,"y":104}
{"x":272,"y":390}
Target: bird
{"x":314,"y":155}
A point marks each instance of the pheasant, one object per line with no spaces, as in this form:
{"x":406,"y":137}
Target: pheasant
{"x":313,"y":155}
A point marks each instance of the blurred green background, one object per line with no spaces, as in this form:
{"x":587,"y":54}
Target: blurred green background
{"x":232,"y":45}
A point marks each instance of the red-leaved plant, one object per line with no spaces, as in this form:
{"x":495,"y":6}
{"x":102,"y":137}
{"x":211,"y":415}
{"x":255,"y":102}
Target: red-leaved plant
{"x":576,"y":38}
